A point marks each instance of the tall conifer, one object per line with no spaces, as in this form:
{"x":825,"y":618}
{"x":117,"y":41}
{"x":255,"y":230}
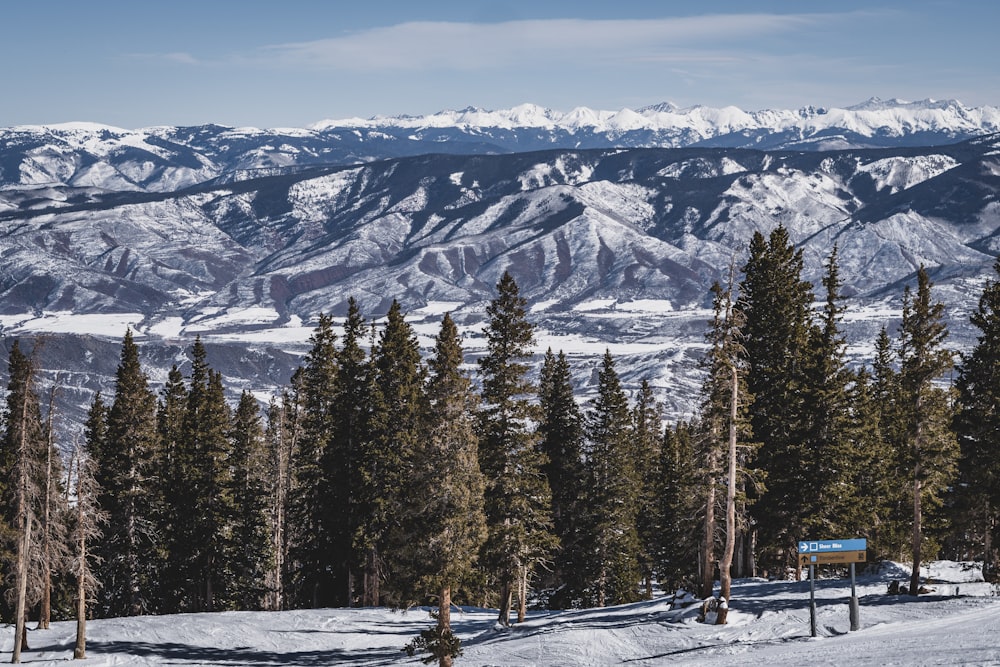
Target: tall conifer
{"x":250,"y":552}
{"x":613,"y":487}
{"x":977,"y":423}
{"x":443,"y":521}
{"x":518,"y":499}
{"x":562,"y":441}
{"x":128,"y":493}
{"x":397,"y":409}
{"x":309,"y":542}
{"x":931,"y":451}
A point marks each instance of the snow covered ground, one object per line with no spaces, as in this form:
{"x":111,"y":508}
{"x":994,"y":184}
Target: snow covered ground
{"x":958,"y":624}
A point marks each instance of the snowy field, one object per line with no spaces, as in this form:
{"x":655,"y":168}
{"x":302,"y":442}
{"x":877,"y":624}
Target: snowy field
{"x":957,"y":624}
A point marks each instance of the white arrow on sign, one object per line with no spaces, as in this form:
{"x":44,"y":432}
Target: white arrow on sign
{"x":803,"y":547}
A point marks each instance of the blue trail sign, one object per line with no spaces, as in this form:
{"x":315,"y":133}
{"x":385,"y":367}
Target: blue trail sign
{"x":832,"y":546}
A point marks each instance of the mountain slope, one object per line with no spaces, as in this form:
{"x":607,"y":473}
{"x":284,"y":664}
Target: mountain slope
{"x":614,"y":248}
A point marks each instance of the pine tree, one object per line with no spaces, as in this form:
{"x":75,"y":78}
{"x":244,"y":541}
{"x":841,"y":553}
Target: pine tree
{"x":647,"y":439}
{"x":54,"y":517}
{"x":24,"y":443}
{"x":397,"y":410}
{"x":518,"y":499}
{"x":351,"y":425}
{"x":828,"y":500}
{"x":199,"y":541}
{"x":444,"y":520}
{"x":173,"y":491}
{"x":562,"y":441}
{"x":281,"y":437}
{"x":309,"y":543}
{"x":677,"y":546}
{"x":127,"y":491}
{"x":776,"y":304}
{"x":612,"y":494}
{"x":892,"y":522}
{"x":977,"y":422}
{"x":250,"y":547}
{"x":932,"y":451}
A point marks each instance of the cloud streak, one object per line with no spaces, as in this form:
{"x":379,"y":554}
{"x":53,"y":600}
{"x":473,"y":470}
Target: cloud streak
{"x":476,"y":46}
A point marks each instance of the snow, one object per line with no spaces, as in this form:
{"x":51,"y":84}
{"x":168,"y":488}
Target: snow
{"x":893,"y":117}
{"x":111,"y":325}
{"x":768,"y":625}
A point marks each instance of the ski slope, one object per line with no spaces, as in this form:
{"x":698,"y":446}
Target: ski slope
{"x":957,"y":624}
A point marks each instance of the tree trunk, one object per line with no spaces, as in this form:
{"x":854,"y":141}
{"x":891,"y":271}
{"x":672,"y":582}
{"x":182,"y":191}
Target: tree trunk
{"x":505,"y":602}
{"x":522,"y":602}
{"x":917,"y":534}
{"x":20,"y":634}
{"x":80,"y":650}
{"x":725,"y":566}
{"x":444,"y":621}
{"x":708,"y":537}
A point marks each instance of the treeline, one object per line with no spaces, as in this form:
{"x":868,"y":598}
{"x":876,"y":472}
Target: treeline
{"x":380,"y":478}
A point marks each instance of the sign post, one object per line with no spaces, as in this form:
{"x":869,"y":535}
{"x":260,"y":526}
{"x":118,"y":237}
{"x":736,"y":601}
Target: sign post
{"x":817,"y":552}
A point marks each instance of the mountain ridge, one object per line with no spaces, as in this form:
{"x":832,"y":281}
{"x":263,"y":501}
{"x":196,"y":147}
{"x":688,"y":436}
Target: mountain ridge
{"x":208,"y":233}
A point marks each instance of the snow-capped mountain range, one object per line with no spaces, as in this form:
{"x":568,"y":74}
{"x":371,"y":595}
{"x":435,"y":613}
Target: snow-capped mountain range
{"x":244,"y":236}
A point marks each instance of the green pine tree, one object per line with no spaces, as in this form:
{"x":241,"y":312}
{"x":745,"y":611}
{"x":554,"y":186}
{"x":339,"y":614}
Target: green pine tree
{"x":931,"y":452}
{"x":518,"y":498}
{"x":677,"y":546}
{"x":309,"y":543}
{"x":398,"y":407}
{"x":351,"y":424}
{"x":562,"y":441}
{"x":443,"y":523}
{"x":613,"y":486}
{"x":173,"y":492}
{"x":128,"y":493}
{"x":250,"y":550}
{"x":647,"y":439}
{"x":977,"y":424}
{"x":776,"y":303}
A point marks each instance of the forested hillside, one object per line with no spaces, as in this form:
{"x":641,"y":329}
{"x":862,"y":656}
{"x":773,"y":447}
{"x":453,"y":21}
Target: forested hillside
{"x":379,"y":476}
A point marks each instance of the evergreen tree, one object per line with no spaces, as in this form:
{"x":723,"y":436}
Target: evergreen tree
{"x":127,"y":492}
{"x":24,"y":444}
{"x":443,"y":523}
{"x":518,"y":499}
{"x":251,"y":552}
{"x":776,"y":304}
{"x":562,"y":441}
{"x":612,"y":494}
{"x":283,"y":426}
{"x":174,"y":492}
{"x":892,"y":512}
{"x":351,"y":424}
{"x":397,"y":410}
{"x":677,"y":546}
{"x":932,"y":451}
{"x":54,"y":518}
{"x":977,"y":423}
{"x":203,"y":514}
{"x":647,"y":439}
{"x":309,"y":543}
{"x":828,"y":500}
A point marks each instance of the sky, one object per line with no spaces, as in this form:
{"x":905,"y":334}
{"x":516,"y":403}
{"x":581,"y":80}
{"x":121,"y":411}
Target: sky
{"x":290,"y":64}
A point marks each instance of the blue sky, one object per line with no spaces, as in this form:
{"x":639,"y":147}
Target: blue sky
{"x":291,"y":63}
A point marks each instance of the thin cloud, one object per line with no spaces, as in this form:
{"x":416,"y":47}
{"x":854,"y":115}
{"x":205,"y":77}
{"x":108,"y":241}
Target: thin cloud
{"x":178,"y":57}
{"x":472,"y":46}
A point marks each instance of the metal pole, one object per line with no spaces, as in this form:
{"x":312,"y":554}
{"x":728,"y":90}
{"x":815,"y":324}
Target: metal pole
{"x":855,"y":610}
{"x":812,"y":600}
